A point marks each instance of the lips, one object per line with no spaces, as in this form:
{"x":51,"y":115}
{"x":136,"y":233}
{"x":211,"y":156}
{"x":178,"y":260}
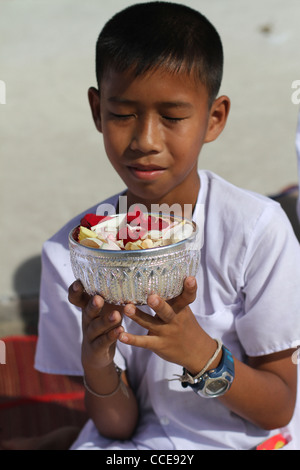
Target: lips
{"x":146,"y":172}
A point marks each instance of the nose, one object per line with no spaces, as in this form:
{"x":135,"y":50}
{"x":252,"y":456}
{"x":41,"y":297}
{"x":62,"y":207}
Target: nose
{"x":147,"y":135}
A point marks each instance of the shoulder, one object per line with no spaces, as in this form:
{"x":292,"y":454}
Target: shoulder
{"x":234,"y":208}
{"x":227,"y":193}
{"x":244,"y":229}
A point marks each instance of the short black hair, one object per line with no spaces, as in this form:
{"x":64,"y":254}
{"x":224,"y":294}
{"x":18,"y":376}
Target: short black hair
{"x":146,"y":36}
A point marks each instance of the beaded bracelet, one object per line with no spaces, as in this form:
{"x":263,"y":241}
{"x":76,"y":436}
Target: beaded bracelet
{"x":120,"y":385}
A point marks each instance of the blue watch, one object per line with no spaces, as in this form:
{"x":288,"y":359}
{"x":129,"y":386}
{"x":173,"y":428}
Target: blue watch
{"x":215,"y":382}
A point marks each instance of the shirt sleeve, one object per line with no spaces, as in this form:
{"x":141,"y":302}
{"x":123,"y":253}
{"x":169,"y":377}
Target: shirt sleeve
{"x":59,"y":336}
{"x":270,"y":321}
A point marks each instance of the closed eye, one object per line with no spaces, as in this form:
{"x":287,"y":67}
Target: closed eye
{"x":121,"y":116}
{"x":174,"y":119}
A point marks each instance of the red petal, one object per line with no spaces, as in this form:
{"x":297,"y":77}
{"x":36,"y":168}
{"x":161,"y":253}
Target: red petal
{"x":156,"y":223}
{"x":76,"y":233}
{"x":136,"y":217}
{"x":89,"y":220}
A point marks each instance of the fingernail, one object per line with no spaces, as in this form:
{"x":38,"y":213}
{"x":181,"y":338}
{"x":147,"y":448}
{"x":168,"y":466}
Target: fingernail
{"x":118,"y":331}
{"x":76,"y":286}
{"x":111,"y":316}
{"x":123,"y":338}
{"x":153,"y":301}
{"x":129,"y":310}
{"x":190,"y":282}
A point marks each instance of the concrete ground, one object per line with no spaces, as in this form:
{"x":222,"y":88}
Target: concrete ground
{"x":53,"y":164}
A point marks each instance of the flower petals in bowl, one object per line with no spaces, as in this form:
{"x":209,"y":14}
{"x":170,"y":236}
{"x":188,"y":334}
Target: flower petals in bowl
{"x":125,"y":260}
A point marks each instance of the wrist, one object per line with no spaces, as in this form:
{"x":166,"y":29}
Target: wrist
{"x":212,"y":382}
{"x":102,"y":380}
{"x":201,"y":358}
{"x":120,"y":386}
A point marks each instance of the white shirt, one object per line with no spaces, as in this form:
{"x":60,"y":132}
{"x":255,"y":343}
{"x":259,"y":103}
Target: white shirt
{"x":248,"y":296}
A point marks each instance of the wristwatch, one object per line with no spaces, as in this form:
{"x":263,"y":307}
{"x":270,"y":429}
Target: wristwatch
{"x":215,"y":382}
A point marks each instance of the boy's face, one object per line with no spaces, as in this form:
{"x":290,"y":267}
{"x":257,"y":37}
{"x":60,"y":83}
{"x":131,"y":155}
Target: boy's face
{"x":154,"y":127}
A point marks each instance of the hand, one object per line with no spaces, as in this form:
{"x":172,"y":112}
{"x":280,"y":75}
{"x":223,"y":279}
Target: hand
{"x":101,"y":327}
{"x":173,"y":333}
{"x":115,"y":416}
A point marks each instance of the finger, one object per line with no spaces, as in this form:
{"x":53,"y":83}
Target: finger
{"x":146,"y":342}
{"x":101,"y":324}
{"x":92,"y":310}
{"x":77,"y":295}
{"x":113,"y":335}
{"x":187,"y":296}
{"x":101,"y":348}
{"x":108,"y":338}
{"x":145,"y":320}
{"x":163,"y":310}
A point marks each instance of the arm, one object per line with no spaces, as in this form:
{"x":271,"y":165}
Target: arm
{"x":115,"y":416}
{"x":263,"y":390}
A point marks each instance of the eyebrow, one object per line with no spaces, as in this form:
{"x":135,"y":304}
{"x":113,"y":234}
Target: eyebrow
{"x":176,"y":104}
{"x":167,"y":104}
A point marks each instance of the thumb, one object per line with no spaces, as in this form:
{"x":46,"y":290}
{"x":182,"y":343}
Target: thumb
{"x":187,"y":295}
{"x":77,"y":295}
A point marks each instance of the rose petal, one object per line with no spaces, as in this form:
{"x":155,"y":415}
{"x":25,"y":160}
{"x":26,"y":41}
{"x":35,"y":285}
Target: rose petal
{"x":89,"y":220}
{"x":136,"y":218}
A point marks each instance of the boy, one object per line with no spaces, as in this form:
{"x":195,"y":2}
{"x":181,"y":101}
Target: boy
{"x":159,"y":69}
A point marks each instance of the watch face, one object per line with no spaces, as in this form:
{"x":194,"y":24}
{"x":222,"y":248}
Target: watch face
{"x":216,"y":386}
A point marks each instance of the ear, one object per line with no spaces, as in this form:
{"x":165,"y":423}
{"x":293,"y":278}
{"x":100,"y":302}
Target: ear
{"x":94,"y":100}
{"x":217,"y":118}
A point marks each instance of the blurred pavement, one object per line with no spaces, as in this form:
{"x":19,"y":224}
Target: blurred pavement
{"x":53,"y":164}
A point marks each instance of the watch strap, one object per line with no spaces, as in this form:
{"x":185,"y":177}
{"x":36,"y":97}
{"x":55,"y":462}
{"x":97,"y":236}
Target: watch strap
{"x":224,"y":371}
